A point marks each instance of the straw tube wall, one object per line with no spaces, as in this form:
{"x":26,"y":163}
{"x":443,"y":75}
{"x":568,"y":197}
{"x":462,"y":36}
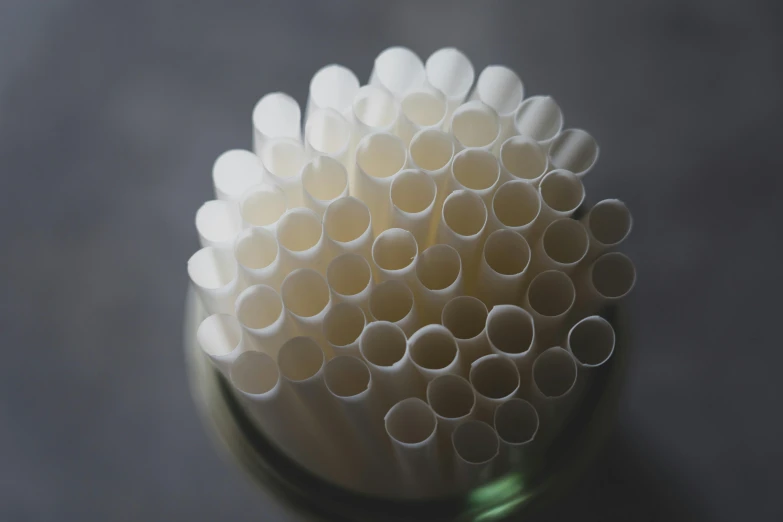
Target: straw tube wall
{"x":438,"y":280}
{"x":413,"y":195}
{"x":463,"y":221}
{"x":262,"y":206}
{"x":301,"y":240}
{"x":466,"y":317}
{"x":283,"y":159}
{"x":561,"y":194}
{"x":374,"y":109}
{"x":495,"y":380}
{"x":421,"y":109}
{"x":540,"y":119}
{"x":265,"y":323}
{"x":574,"y":150}
{"x":394,"y":255}
{"x":516,"y":423}
{"x":562,"y":246}
{"x":476,"y":125}
{"x":522,"y":158}
{"x":476,"y":449}
{"x":398,"y":70}
{"x":478,"y":171}
{"x":412,"y":428}
{"x":591,"y":341}
{"x":432,"y":151}
{"x":516,"y":206}
{"x":552,"y":388}
{"x":324,"y":179}
{"x":213,"y":274}
{"x":384,"y":347}
{"x":258,"y":258}
{"x":343,"y":324}
{"x":434,"y":352}
{"x":608,"y":279}
{"x":218,"y":223}
{"x":608,"y":223}
{"x":453,"y":402}
{"x":503,"y":268}
{"x":307,"y":299}
{"x":348,"y":228}
{"x":511,"y":333}
{"x":220,"y":337}
{"x":393,"y":301}
{"x":549,"y":299}
{"x":332,"y":87}
{"x":500,"y":88}
{"x":350,"y":280}
{"x":276,"y":115}
{"x":451,"y":72}
{"x":328,"y":133}
{"x":379,"y":157}
{"x":234,"y":172}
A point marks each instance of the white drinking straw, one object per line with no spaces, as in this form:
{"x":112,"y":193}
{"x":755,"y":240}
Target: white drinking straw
{"x":343,"y":324}
{"x":234,"y":172}
{"x":451,"y":72}
{"x":348,"y":228}
{"x":383,"y":346}
{"x":394,"y":255}
{"x":608,"y":223}
{"x":423,"y":108}
{"x":350,"y":280}
{"x":276,"y":115}
{"x":517,"y":423}
{"x":307,"y":300}
{"x":433,"y":351}
{"x":220,"y":339}
{"x":591,"y":341}
{"x":606,"y":280}
{"x":380,"y":157}
{"x":540,"y":119}
{"x":275,"y":409}
{"x":283,"y":159}
{"x":511,"y":333}
{"x":574,"y":150}
{"x":412,"y":428}
{"x":500,"y":88}
{"x":218,"y":223}
{"x":453,"y":402}
{"x":393,"y":301}
{"x":398,"y":70}
{"x":301,"y":240}
{"x":332,"y":87}
{"x":432,"y":151}
{"x":213,"y":274}
{"x":549,"y":299}
{"x":324,"y":179}
{"x":262,"y":206}
{"x":262,"y":315}
{"x":476,"y":125}
{"x":463,"y":221}
{"x":478,"y":171}
{"x":258,"y":258}
{"x":413,"y":194}
{"x":476,"y":449}
{"x":438,"y":279}
{"x":522,"y":158}
{"x":495,"y":380}
{"x":350,"y":384}
{"x":552,"y":388}
{"x":561,"y":194}
{"x":374,"y":109}
{"x":503,"y":268}
{"x":466,"y":317}
{"x":562,"y":246}
{"x":328,"y":133}
{"x":516,"y":206}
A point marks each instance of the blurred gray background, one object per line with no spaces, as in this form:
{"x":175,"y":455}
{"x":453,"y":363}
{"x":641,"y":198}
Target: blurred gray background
{"x":111,"y":114}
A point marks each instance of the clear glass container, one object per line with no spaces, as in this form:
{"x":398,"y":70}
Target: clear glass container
{"x":316,"y":499}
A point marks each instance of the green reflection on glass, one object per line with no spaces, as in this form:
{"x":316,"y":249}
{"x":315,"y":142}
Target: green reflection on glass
{"x":497,"y":499}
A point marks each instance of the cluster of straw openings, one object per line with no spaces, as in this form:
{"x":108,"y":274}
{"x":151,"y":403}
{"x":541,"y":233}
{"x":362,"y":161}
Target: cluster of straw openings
{"x":399,"y":291}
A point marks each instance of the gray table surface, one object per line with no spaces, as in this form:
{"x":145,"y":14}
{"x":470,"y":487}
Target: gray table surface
{"x":111,"y":114}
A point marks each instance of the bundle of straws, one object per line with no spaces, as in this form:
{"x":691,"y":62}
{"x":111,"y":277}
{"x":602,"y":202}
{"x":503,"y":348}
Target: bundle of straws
{"x":402,"y":298}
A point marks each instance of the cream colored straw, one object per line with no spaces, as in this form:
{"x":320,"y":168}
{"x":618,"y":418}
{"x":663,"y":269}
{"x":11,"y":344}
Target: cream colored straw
{"x":608,"y":223}
{"x":451,"y":72}
{"x":264,"y":320}
{"x":258,"y":258}
{"x":394,"y":255}
{"x":343,"y":324}
{"x":283,"y":159}
{"x":466,"y":319}
{"x":562,"y":246}
{"x":517,"y":207}
{"x":511,"y":333}
{"x":433,"y":351}
{"x":218,"y":223}
{"x":324,"y":179}
{"x":463,"y":222}
{"x":503,"y":268}
{"x":478,"y":171}
{"x":328,"y":133}
{"x":476,"y":125}
{"x":398,"y":70}
{"x":438,"y":280}
{"x":539,"y":118}
{"x":220,"y":338}
{"x":421,"y":109}
{"x":393,"y":301}
{"x":332,"y":87}
{"x":574,"y":150}
{"x":350,"y":280}
{"x":307,"y":299}
{"x":606,"y":280}
{"x":549,"y":299}
{"x":234,"y":172}
{"x":522,"y":158}
{"x":213,"y":274}
{"x":276,"y":115}
{"x":495,"y":380}
{"x":552,"y":388}
{"x":500,"y":88}
{"x":516,"y":423}
{"x":301,"y":240}
{"x":262,"y":206}
{"x":561,"y":194}
{"x":413,"y":194}
{"x":476,"y":449}
{"x":348,"y":228}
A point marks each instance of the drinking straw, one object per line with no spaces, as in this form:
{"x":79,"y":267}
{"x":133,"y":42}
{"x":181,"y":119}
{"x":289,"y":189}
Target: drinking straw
{"x":438,"y":279}
{"x":276,"y":115}
{"x":476,"y":125}
{"x":511,"y":333}
{"x":398,"y":70}
{"x":220,"y":338}
{"x":451,"y":72}
{"x":516,"y":206}
{"x":332,"y":87}
{"x":561,"y":194}
{"x":591,"y":341}
{"x":500,"y":88}
{"x":324,"y":179}
{"x":343,"y":324}
{"x":516,"y":423}
{"x":549,"y":299}
{"x":495,"y":380}
{"x":262,"y":206}
{"x":476,"y":449}
{"x":348,"y":228}
{"x":283,"y":159}
{"x":307,"y":300}
{"x":608,"y":224}
{"x":413,"y":194}
{"x":463,"y":221}
{"x":350,"y":280}
{"x":574,"y":150}
{"x":423,"y":108}
{"x":234,"y":172}
{"x":258,"y":258}
{"x":433,"y":351}
{"x":562,"y":246}
{"x":218,"y":223}
{"x":524,"y":159}
{"x":606,"y":280}
{"x":301,"y":240}
{"x":540,"y":119}
{"x":213,"y":274}
{"x":393,"y":301}
{"x":478,"y":171}
{"x":394,"y":255}
{"x":383,"y":346}
{"x":262,"y":314}
{"x":465,"y":317}
{"x":552,"y":388}
{"x":328,"y":133}
{"x":503,"y":268}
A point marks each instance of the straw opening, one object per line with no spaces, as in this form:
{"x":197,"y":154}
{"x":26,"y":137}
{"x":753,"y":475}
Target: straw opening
{"x":450,"y":396}
{"x":412,"y":191}
{"x":431,"y":149}
{"x":254,"y":373}
{"x":394,"y":249}
{"x":391,"y":301}
{"x":343,"y":324}
{"x":566,"y":241}
{"x":475,"y":125}
{"x":263,"y":206}
{"x":539,"y":117}
{"x":495,"y":377}
{"x":346,"y":219}
{"x":348,"y":274}
{"x":475,"y":442}
{"x":507,"y":252}
{"x":516,"y":204}
{"x":613,"y":275}
{"x":219,"y":334}
{"x":433,"y":348}
{"x":381,"y":155}
{"x":438,"y":267}
{"x":283,"y":158}
{"x":516,"y":421}
{"x":346,"y":376}
{"x":464,"y":213}
{"x":256,"y":248}
{"x":510,"y":329}
{"x":450,"y":71}
{"x":500,"y":88}
{"x":259,"y":307}
{"x":305,"y":293}
{"x":299,"y":230}
{"x":591,"y":341}
{"x":610,"y":222}
{"x":327,"y":132}
{"x":554,"y":372}
{"x":424,"y":108}
{"x":374,"y":107}
{"x":465,"y":317}
{"x":382,"y":343}
{"x":551,"y":293}
{"x":300,"y":358}
{"x":476,"y":169}
{"x":562,"y":191}
{"x":523,"y":158}
{"x":212,"y":268}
